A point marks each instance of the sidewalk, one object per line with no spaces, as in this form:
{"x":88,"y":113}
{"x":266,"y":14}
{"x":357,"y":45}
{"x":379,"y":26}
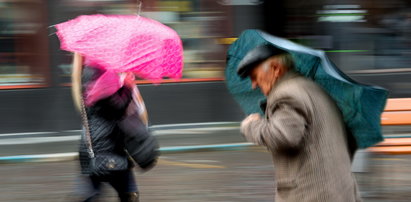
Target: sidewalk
{"x":240,"y":175}
{"x":230,"y":170}
{"x":237,"y":176}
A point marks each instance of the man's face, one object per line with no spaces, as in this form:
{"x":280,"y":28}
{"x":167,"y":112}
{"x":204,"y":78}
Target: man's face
{"x":265,"y":75}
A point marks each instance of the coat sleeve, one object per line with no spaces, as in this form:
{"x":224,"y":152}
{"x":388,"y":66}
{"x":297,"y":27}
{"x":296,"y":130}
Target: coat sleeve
{"x":285,"y":128}
{"x":140,"y":144}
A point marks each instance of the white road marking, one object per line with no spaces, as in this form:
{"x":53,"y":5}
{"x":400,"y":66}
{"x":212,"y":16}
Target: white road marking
{"x":157,"y":130}
{"x":28,"y":133}
{"x":201,"y":161}
{"x":37,"y":140}
{"x":191,"y":124}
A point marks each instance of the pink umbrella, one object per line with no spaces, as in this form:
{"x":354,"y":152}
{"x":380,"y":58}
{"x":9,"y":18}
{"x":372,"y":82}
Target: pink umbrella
{"x":122,"y":43}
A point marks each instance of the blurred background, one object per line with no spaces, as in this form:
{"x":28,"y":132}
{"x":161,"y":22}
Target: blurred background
{"x":369,"y":40}
{"x":364,"y":38}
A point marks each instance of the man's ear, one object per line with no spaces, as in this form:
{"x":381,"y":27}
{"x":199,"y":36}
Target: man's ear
{"x":275,"y":67}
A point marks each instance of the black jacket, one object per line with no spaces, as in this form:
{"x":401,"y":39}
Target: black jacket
{"x":114,"y":132}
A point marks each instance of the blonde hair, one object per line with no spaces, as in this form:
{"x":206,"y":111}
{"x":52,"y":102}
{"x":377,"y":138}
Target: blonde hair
{"x":76,"y":80}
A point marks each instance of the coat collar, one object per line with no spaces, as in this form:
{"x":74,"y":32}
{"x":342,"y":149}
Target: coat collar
{"x":287,"y":76}
{"x":290,"y":74}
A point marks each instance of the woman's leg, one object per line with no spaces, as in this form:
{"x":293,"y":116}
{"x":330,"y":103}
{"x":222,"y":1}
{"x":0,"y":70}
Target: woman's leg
{"x":88,"y":188}
{"x":125,"y":185}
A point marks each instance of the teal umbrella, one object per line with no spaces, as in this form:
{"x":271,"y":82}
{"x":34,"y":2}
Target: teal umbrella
{"x":361,"y":105}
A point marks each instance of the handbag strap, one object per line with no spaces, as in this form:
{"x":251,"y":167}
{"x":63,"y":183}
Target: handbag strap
{"x":86,"y":127}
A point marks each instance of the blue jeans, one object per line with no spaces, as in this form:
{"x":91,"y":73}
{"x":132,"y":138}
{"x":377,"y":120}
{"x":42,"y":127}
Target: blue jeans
{"x":123,"y":182}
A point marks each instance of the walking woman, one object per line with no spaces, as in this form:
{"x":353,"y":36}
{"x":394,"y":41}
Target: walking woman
{"x":117,"y":125}
{"x":109,"y":51}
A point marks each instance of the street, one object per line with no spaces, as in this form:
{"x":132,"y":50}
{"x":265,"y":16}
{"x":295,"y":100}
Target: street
{"x":237,"y":175}
{"x":229,"y":174}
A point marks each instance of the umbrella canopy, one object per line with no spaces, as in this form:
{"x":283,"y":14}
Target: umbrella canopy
{"x":361,"y":105}
{"x":123,"y":43}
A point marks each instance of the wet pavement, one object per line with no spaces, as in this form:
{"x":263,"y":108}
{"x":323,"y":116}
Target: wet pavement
{"x":236,"y":175}
{"x":243,"y":174}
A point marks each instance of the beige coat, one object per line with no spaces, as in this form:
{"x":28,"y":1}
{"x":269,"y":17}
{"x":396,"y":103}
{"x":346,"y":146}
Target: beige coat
{"x":304,"y":130}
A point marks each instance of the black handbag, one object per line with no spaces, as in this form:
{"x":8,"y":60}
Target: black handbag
{"x":101,"y":164}
{"x":107,"y":164}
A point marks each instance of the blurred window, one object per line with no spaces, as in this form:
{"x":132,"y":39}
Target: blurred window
{"x":200,"y":23}
{"x":365,"y":36}
{"x":23,"y":43}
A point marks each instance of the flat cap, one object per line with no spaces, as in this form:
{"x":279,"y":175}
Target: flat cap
{"x":256,"y":56}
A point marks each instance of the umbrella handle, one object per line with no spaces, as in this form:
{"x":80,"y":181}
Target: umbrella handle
{"x":139,"y":5}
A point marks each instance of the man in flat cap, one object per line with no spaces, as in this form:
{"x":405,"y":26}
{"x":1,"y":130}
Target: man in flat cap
{"x":303,"y":129}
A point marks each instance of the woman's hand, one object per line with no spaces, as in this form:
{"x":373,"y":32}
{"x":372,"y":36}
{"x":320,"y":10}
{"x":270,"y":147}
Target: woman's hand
{"x":129,"y":80}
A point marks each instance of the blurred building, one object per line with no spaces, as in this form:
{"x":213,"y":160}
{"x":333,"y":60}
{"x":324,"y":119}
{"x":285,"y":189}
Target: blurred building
{"x":367,"y":39}
{"x":23,"y":43}
{"x":358,"y":35}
